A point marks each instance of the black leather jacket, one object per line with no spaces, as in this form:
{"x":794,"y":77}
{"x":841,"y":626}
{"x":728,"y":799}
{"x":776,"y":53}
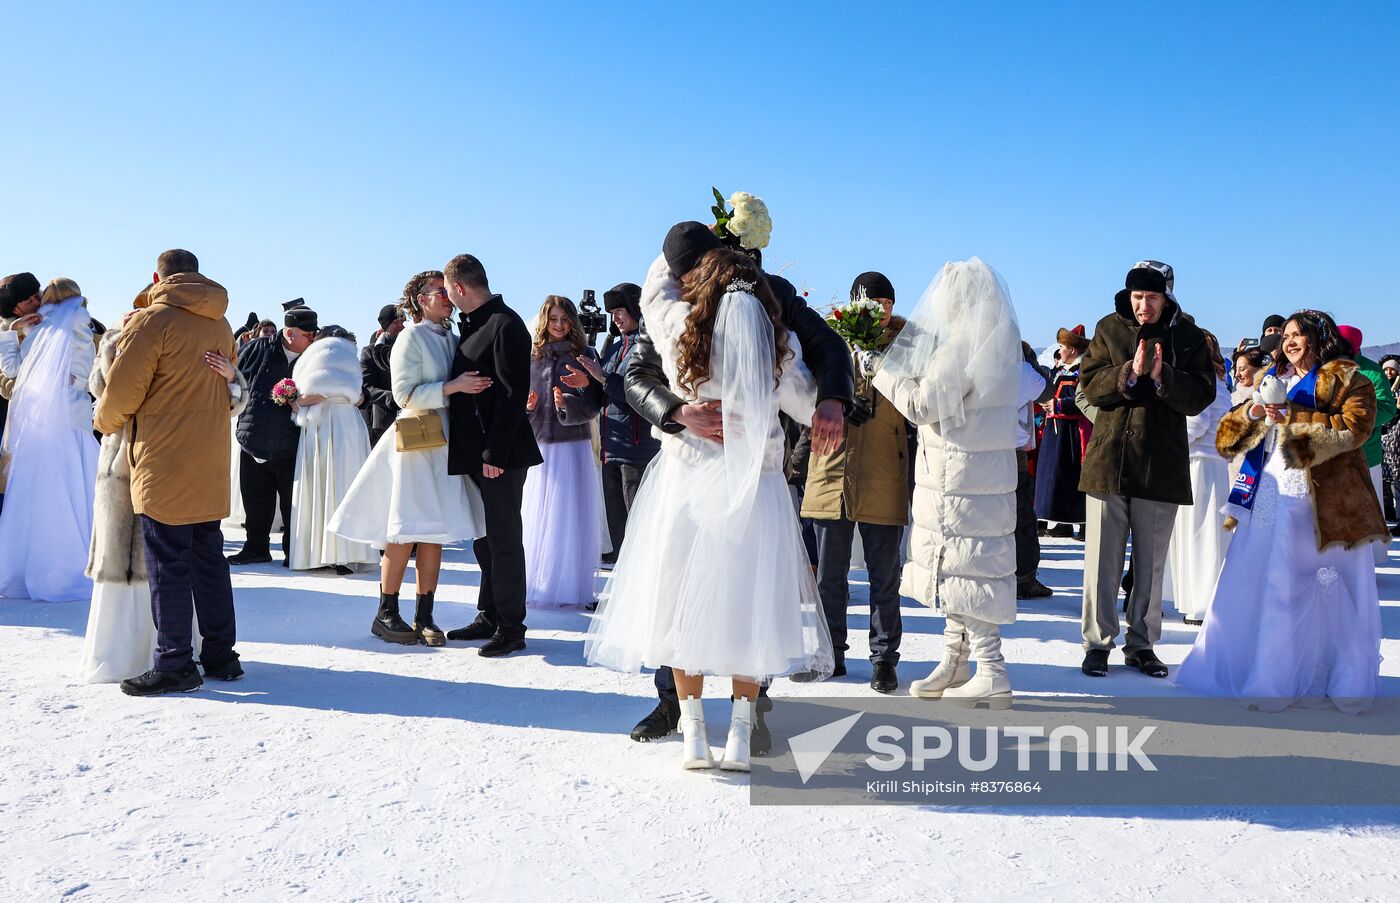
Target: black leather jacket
{"x":825,"y":353}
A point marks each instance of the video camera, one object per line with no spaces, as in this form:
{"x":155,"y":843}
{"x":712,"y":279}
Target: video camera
{"x":595,"y":321}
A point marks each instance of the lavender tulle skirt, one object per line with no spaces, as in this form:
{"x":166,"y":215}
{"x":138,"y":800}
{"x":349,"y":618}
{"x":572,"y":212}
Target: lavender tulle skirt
{"x":563,"y":518}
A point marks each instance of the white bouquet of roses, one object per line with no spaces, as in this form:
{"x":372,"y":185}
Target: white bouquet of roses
{"x":747,"y":225}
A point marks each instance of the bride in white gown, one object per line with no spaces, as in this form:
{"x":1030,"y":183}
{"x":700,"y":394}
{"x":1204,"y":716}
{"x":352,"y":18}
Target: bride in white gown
{"x":46,"y":523}
{"x":1296,"y":614}
{"x":333,"y":447}
{"x":713,"y":577}
{"x":404,"y":497}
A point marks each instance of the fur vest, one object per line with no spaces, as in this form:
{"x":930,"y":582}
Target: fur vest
{"x":1327,"y":442}
{"x":329,"y":367}
{"x":117,"y":554}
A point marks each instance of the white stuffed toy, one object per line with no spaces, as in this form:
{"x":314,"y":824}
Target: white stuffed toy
{"x":1271,"y":391}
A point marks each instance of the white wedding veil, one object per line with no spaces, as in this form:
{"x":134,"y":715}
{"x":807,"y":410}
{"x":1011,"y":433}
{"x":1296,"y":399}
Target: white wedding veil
{"x":960,"y":344}
{"x":742,"y":358}
{"x":47,"y":525}
{"x":43,"y":387}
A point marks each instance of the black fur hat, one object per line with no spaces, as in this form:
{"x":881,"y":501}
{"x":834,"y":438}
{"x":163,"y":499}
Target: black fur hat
{"x":876,"y":285}
{"x":685,"y":244}
{"x":626,"y":295}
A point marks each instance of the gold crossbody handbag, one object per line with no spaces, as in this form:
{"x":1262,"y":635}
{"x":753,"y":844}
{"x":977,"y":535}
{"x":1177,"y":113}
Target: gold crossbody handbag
{"x":419,"y":432}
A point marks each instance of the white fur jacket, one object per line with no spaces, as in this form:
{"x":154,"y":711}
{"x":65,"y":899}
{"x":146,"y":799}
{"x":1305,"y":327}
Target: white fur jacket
{"x":117,"y":554}
{"x":664,"y":313}
{"x":330,"y":367}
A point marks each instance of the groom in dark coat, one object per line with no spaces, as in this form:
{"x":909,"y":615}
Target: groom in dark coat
{"x":491,"y":442}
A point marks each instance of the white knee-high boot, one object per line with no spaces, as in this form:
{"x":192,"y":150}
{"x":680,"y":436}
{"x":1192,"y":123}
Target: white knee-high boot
{"x":952,"y":670}
{"x":695,"y":746}
{"x":736,"y":751}
{"x":989,"y":682}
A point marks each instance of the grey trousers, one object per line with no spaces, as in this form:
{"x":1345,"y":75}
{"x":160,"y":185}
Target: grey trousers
{"x":1108,"y":518}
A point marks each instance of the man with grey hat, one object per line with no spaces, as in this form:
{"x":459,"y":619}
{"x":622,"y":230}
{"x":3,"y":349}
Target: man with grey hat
{"x":379,"y":406}
{"x":1147,"y":369}
{"x":267,"y":434}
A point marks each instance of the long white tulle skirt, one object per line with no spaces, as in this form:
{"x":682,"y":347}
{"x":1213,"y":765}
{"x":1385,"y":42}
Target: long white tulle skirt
{"x":332,"y":449}
{"x":1289,"y":624}
{"x":120,"y":641}
{"x":741,"y":604}
{"x":1199,"y":540}
{"x":562,"y":517}
{"x":46,"y":523}
{"x":236,"y":516}
{"x":404,"y":497}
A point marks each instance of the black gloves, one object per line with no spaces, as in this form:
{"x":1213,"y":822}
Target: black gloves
{"x":862,"y":409}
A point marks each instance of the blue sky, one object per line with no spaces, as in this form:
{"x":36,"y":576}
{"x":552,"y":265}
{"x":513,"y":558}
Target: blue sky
{"x":331,"y":151}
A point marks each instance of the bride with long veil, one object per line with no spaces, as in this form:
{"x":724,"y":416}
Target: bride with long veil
{"x":712,"y":578}
{"x":46,"y":524}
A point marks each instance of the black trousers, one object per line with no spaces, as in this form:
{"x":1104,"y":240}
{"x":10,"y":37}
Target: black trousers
{"x":501,"y":552}
{"x":834,"y":541}
{"x":264,"y":488}
{"x":1027,"y":541}
{"x":188,"y":573}
{"x":620,"y":482}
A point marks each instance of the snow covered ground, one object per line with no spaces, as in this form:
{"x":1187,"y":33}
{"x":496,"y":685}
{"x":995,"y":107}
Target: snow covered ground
{"x":343,"y":768}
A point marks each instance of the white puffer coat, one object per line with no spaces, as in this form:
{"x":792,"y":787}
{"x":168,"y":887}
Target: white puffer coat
{"x":962,"y":546}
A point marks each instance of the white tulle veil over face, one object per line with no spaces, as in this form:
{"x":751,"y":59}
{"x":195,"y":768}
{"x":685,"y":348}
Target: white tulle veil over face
{"x":960,"y":341}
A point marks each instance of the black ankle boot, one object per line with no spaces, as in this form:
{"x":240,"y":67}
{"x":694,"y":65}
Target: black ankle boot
{"x":423,"y":624}
{"x":388,"y":626}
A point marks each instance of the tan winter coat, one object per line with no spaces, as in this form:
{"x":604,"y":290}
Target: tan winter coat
{"x":117,"y":554}
{"x":867,"y":479}
{"x":178,"y":408}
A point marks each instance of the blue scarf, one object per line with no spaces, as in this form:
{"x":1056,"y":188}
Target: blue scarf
{"x":1247,"y":483}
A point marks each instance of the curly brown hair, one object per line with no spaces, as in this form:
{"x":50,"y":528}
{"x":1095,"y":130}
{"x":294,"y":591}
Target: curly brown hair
{"x":542,"y":337}
{"x":703,"y":288}
{"x":409,"y":302}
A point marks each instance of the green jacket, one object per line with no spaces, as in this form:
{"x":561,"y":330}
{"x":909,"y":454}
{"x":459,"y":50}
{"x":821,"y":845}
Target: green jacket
{"x":1385,"y":406}
{"x":1139,"y":447}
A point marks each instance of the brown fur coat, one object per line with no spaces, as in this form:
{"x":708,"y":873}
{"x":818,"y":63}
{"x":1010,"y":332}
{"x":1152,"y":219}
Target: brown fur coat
{"x":1326,"y":442}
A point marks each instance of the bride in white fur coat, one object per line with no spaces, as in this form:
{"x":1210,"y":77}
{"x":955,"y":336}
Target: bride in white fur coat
{"x":334,"y":445}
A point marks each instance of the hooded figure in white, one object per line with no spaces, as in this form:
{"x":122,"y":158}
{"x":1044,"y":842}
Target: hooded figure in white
{"x":334,"y":445}
{"x":956,"y":372}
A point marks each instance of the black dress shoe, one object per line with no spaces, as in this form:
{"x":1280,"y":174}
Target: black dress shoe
{"x":884,"y":680}
{"x":1033,"y":589}
{"x":807,"y":677}
{"x":501,"y":644}
{"x":343,"y":571}
{"x":154,"y":683}
{"x":760,"y":739}
{"x":244,"y":556}
{"x":228,"y":669}
{"x":1146,"y":661}
{"x":660,"y":724}
{"x":480,"y":629}
{"x":1095,"y":663}
{"x":1061,"y":531}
